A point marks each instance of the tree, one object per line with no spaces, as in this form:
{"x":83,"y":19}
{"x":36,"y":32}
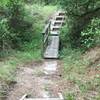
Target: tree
{"x":17,"y":24}
{"x":81,"y":12}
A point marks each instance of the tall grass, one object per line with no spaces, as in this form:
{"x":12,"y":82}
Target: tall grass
{"x":75,"y":70}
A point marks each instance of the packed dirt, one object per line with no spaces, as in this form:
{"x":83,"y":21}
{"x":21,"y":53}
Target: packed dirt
{"x":38,"y":81}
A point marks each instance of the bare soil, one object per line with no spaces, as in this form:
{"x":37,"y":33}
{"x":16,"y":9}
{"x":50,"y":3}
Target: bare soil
{"x":37,"y":81}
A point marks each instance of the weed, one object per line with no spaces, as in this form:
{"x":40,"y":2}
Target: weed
{"x":69,"y":96}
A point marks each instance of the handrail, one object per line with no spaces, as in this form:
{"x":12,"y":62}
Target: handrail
{"x":45,"y":29}
{"x":46,"y":33}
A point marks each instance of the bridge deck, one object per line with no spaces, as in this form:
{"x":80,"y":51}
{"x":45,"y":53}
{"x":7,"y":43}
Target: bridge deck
{"x":44,"y":99}
{"x":52,"y":50}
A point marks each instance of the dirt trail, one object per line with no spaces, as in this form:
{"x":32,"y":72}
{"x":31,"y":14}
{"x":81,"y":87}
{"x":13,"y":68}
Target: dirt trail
{"x":38,"y":81}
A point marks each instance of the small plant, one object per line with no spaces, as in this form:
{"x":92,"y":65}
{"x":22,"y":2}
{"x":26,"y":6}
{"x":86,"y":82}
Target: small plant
{"x":5,"y":37}
{"x":70,"y":96}
{"x":91,"y":35}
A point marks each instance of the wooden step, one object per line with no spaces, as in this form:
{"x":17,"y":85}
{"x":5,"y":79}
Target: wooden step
{"x":24,"y":97}
{"x":44,"y":99}
{"x":62,"y":13}
{"x":55,"y":33}
{"x":57,"y":22}
{"x":61,"y":22}
{"x":60,"y":18}
{"x":56,"y":28}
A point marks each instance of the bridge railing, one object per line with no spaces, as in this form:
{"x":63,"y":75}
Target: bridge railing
{"x":46,"y":34}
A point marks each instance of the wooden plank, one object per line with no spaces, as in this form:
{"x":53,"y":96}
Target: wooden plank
{"x":57,"y":27}
{"x":23,"y":97}
{"x":60,"y":13}
{"x":55,"y":33}
{"x":59,"y":22}
{"x":46,"y":28}
{"x":60,"y":17}
{"x":52,"y":50}
{"x":44,"y":99}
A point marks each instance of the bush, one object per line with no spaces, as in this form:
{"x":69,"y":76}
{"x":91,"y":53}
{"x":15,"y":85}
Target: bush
{"x":88,"y":38}
{"x":64,"y":36}
{"x":81,"y":12}
{"x":4,"y":35}
{"x":22,"y":25}
{"x":91,"y":35}
{"x":17,"y":24}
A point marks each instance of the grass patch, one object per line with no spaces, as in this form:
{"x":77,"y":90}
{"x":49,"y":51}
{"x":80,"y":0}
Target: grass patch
{"x":75,"y":70}
{"x":72,"y":61}
{"x":69,"y":96}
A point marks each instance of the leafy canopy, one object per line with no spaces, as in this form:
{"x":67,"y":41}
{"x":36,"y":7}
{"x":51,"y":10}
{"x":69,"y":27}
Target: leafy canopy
{"x":79,"y":7}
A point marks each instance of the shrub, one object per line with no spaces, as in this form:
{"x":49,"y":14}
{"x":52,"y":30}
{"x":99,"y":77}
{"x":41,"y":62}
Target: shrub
{"x":17,"y":25}
{"x":81,"y":12}
{"x":64,"y":36}
{"x":91,"y":35}
{"x":4,"y":35}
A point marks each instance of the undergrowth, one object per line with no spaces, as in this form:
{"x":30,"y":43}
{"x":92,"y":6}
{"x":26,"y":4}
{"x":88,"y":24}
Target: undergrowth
{"x":76,"y":71}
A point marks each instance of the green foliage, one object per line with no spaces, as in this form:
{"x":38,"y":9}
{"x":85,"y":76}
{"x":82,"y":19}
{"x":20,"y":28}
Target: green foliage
{"x":29,"y":50}
{"x":17,"y":24}
{"x":3,"y":2}
{"x":80,"y":13}
{"x":22,"y":25}
{"x":69,"y":96}
{"x":91,"y":35}
{"x":22,"y":28}
{"x":65,"y":35}
{"x":5,"y":36}
{"x":44,"y":2}
{"x":78,"y":8}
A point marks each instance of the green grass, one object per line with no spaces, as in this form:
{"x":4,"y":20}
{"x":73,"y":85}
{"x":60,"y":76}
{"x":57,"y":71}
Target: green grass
{"x":75,"y":69}
{"x":9,"y":65}
{"x":69,"y":96}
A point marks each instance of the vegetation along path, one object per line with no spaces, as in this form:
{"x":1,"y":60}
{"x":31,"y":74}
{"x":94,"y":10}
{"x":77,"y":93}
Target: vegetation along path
{"x":40,"y":81}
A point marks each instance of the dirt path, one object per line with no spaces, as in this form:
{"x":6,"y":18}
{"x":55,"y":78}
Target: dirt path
{"x":38,"y":81}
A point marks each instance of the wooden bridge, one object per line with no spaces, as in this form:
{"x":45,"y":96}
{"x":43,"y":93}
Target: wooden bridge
{"x":59,"y":98}
{"x":51,"y":47}
{"x":51,"y":36}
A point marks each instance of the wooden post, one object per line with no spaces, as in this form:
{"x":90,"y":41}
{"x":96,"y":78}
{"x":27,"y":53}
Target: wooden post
{"x":23,"y":97}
